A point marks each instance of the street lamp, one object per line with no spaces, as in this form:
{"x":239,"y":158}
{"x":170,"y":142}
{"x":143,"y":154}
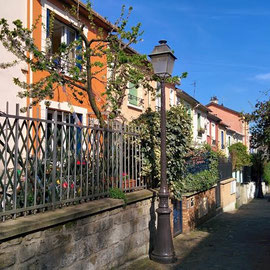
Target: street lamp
{"x":162,"y":60}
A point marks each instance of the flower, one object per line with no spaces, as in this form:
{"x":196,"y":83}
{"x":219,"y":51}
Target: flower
{"x":65,"y":185}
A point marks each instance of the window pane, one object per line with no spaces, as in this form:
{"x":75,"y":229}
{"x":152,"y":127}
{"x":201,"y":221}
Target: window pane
{"x":57,"y":36}
{"x":70,"y":35}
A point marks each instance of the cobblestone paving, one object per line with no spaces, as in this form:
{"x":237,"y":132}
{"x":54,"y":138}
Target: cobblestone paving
{"x":236,"y":240}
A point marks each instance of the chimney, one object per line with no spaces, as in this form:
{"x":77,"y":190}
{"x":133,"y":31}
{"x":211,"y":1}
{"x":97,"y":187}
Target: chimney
{"x":214,"y":99}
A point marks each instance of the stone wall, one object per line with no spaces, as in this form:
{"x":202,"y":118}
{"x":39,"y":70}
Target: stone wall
{"x":197,"y":208}
{"x":95,"y":235}
{"x":247,"y":192}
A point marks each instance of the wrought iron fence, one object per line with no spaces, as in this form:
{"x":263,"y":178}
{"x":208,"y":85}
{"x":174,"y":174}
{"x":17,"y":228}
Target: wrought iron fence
{"x":50,"y":163}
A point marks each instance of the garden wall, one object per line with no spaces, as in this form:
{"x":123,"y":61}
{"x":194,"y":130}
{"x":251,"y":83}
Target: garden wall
{"x":95,"y":235}
{"x":247,"y":192}
{"x":200,"y":206}
{"x":228,"y":194}
{"x":197,"y":208}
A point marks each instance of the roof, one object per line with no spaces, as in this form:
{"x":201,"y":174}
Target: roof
{"x":191,"y":100}
{"x":223,"y":108}
{"x":213,"y":117}
{"x":224,"y":124}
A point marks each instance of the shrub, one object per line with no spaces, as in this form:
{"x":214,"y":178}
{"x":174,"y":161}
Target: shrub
{"x":206,"y":178}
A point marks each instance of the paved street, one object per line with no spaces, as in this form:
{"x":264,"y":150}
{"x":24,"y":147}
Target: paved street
{"x":237,"y":240}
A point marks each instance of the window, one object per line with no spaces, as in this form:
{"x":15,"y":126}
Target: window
{"x":188,"y":109}
{"x":171,"y":97}
{"x":178,"y":100}
{"x":222,"y":140}
{"x":198,"y":121}
{"x":133,"y":98}
{"x":208,"y":128}
{"x":62,"y":34}
{"x":64,"y":133}
{"x":213,"y":131}
{"x":229,"y":141}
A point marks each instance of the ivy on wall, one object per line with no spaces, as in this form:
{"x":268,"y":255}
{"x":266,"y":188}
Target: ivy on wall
{"x":179,"y":153}
{"x":178,"y":134}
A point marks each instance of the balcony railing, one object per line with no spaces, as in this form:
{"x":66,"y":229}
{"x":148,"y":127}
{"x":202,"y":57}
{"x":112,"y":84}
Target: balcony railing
{"x":134,"y":100}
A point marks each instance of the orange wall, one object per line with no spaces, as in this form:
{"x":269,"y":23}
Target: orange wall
{"x":59,"y":94}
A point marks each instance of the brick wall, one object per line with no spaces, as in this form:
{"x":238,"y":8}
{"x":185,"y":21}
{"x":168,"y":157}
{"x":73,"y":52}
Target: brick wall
{"x":197,"y":208}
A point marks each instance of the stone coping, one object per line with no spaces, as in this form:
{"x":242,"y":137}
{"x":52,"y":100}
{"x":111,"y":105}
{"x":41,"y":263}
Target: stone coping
{"x":190,"y":194}
{"x":25,"y":225}
{"x":227,"y":181}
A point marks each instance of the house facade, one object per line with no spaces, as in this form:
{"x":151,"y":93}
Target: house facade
{"x":198,"y":114}
{"x":137,"y":101}
{"x":213,"y":138}
{"x":237,"y":127}
{"x":30,"y":11}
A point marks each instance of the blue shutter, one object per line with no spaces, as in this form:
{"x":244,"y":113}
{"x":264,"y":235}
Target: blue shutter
{"x":78,"y":56}
{"x":48,"y":23}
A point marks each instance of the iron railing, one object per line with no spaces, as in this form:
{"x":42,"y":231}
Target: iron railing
{"x":134,"y":100}
{"x":47,"y":164}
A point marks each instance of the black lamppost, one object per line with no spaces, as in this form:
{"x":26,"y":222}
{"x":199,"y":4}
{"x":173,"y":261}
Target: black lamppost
{"x":162,"y":60}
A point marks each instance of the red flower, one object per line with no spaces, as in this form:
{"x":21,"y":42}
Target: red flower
{"x":72,"y":185}
{"x":65,"y":185}
{"x":78,"y":162}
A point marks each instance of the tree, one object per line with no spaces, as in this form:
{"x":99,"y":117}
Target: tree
{"x":260,"y":129}
{"x":82,"y":60}
{"x":239,"y":156}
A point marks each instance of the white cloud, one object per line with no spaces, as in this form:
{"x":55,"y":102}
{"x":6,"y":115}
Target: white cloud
{"x":263,"y":77}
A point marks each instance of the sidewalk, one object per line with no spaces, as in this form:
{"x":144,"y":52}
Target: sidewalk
{"x":236,"y":240}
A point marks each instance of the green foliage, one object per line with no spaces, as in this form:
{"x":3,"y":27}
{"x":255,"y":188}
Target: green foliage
{"x":117,"y":193}
{"x":239,"y":156}
{"x":266,"y":173}
{"x":205,"y":179}
{"x":178,"y":134}
{"x":260,"y":129}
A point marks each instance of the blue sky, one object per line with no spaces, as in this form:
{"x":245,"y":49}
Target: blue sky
{"x":224,"y":45}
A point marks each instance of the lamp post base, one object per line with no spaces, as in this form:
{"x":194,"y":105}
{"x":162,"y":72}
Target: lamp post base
{"x":163,"y":259}
{"x":163,"y":251}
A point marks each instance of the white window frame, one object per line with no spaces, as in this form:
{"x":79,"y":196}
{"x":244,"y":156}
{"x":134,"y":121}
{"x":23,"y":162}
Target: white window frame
{"x":171,"y":97}
{"x":213,"y":131}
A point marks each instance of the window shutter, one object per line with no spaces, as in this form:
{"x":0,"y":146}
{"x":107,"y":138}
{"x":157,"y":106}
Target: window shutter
{"x":133,"y":94}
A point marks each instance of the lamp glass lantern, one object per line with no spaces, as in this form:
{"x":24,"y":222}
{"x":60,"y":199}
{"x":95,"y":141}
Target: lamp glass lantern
{"x":162,"y":59}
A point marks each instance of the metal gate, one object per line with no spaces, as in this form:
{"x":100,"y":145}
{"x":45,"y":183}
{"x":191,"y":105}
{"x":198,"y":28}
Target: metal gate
{"x":177,"y":217}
